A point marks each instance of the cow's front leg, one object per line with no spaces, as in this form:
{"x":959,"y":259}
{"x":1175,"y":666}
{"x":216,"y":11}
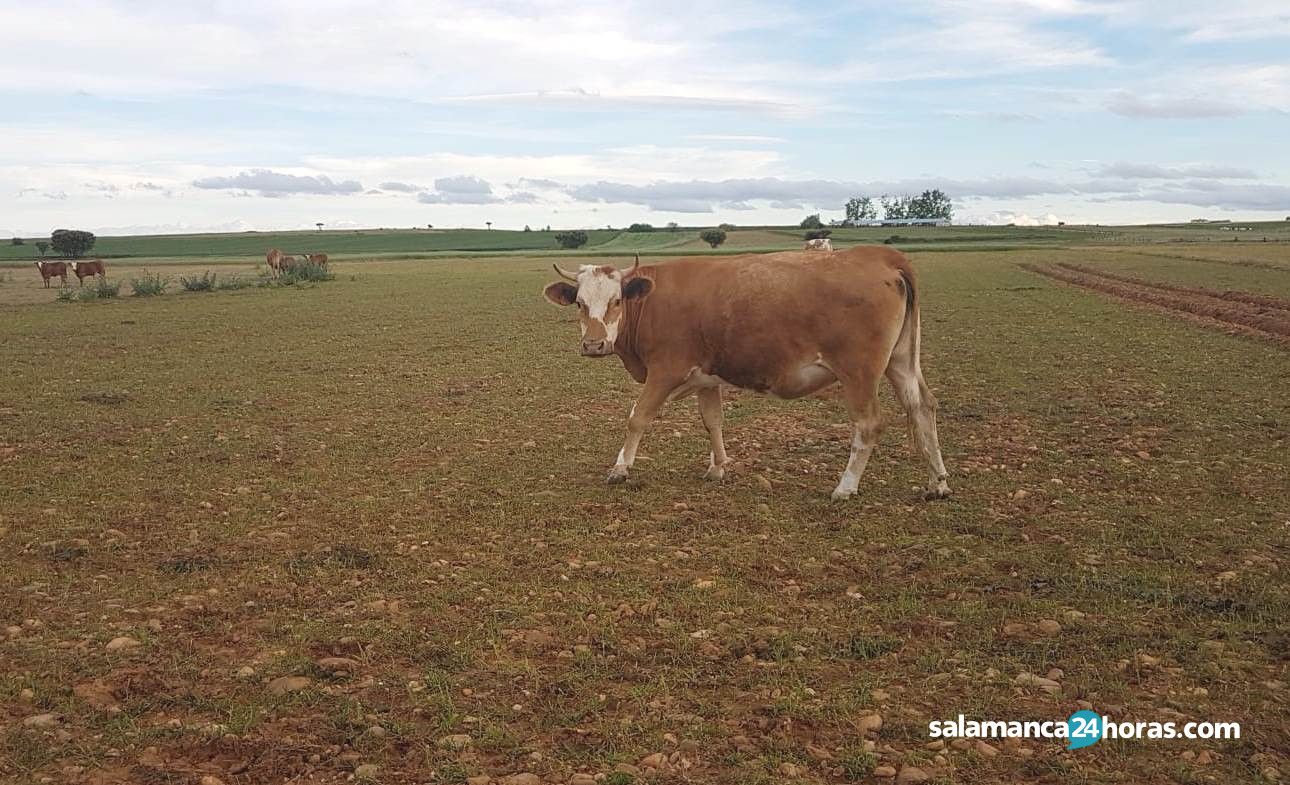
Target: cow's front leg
{"x":644,"y":411}
{"x":710,"y":411}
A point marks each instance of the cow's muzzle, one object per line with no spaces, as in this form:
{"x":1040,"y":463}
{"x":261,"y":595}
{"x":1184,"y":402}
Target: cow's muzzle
{"x":597,"y":348}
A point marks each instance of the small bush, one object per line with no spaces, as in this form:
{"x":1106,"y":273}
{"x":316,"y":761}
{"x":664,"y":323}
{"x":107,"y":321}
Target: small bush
{"x":302,"y":272}
{"x":16,"y":241}
{"x":811,"y":222}
{"x":574,"y":239}
{"x":726,"y":227}
{"x":234,"y":282}
{"x":895,"y":238}
{"x":149,"y":284}
{"x":67,"y":295}
{"x":104,"y":289}
{"x":204,"y":283}
{"x":640,"y":228}
{"x":817,"y":234}
{"x":713,"y":237}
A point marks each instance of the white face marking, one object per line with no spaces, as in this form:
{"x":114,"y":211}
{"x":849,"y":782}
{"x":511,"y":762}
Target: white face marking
{"x":597,"y":291}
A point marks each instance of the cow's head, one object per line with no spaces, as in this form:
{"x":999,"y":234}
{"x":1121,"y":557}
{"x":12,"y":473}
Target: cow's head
{"x":599,"y":293}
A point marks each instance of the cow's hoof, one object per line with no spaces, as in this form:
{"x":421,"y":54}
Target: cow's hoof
{"x":839,"y":494}
{"x":941,"y":491}
{"x":616,"y":476}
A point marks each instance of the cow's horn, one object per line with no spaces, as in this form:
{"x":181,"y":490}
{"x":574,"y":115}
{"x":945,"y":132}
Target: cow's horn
{"x":632,"y":269}
{"x":564,"y":273}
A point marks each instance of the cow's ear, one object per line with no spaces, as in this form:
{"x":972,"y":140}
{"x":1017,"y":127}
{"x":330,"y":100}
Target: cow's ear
{"x":561,"y":293}
{"x":638,"y":286}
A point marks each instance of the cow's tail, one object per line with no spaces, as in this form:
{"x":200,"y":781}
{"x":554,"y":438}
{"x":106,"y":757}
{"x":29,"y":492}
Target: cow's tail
{"x":908,"y":344}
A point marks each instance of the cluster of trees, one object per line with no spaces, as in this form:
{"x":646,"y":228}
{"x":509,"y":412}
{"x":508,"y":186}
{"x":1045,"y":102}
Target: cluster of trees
{"x":571,"y":239}
{"x":71,"y":243}
{"x":931,"y":204}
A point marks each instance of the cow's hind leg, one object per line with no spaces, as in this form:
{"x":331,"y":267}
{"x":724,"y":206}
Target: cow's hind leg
{"x":861,"y":394}
{"x":644,"y":411}
{"x":906,"y":379}
{"x":710,"y":411}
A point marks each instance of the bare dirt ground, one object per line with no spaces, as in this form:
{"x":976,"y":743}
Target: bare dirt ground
{"x":359,"y":532}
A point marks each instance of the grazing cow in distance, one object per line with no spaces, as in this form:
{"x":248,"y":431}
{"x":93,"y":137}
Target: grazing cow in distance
{"x":315,"y":258}
{"x":274,"y":260}
{"x":84,"y":269}
{"x":785,"y":323}
{"x":51,"y":269}
{"x":819,"y":244}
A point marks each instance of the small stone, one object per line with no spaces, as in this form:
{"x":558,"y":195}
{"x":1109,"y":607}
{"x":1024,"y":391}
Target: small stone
{"x":41,"y":721}
{"x":284,"y":684}
{"x":246,"y":672}
{"x":211,"y":779}
{"x":582,"y":779}
{"x":377,"y":732}
{"x":367,"y":771}
{"x":884,"y":771}
{"x":763,"y":482}
{"x":1049,"y":626}
{"x":787,"y":769}
{"x":523,"y":778}
{"x":1024,"y":679}
{"x":338,"y":665}
{"x":479,"y":779}
{"x":122,"y":643}
{"x":986,"y":749}
{"x":870,"y":723}
{"x":1204,"y":758}
{"x":457,"y":741}
{"x":655,"y":761}
{"x":911,"y":774}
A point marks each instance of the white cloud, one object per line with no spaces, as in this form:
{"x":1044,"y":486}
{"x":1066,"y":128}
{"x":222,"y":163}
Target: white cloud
{"x":1170,"y":108}
{"x":267,"y":182}
{"x":1007,"y":217}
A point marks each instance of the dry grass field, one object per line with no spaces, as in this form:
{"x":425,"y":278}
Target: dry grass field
{"x":359,"y":530}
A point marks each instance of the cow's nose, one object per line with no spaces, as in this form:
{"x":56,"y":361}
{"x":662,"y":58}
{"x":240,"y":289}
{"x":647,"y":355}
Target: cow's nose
{"x":591,"y":348}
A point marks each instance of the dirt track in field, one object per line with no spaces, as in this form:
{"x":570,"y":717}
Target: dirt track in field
{"x":1251,"y":263}
{"x":1264,"y":301}
{"x":1207,"y":307}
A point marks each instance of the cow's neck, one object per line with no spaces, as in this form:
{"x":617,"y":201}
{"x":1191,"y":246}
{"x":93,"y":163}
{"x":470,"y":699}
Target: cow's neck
{"x":627,"y":345}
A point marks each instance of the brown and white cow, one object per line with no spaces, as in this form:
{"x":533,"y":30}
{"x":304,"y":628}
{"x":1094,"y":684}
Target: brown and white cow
{"x":818,"y":244}
{"x":85,"y":269}
{"x":784,"y":323}
{"x":315,"y":258}
{"x":274,"y":260}
{"x":51,"y":270}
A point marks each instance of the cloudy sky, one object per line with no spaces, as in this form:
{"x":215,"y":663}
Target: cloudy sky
{"x":126,"y":115}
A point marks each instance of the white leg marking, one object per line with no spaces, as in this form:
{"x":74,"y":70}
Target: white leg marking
{"x":850,"y":480}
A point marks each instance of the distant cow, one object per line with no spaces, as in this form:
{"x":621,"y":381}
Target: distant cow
{"x":50,"y":269}
{"x":819,"y":244}
{"x":274,"y":259}
{"x":315,"y":258}
{"x":784,"y":323}
{"x":85,"y":269}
